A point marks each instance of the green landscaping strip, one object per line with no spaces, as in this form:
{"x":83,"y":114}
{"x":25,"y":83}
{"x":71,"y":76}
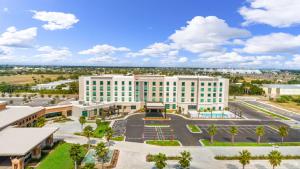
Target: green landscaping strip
{"x":194,"y":128}
{"x":254,"y":144}
{"x":100,"y":130}
{"x":119,"y":138}
{"x":157,"y":125}
{"x":266,"y":111}
{"x":163,"y":142}
{"x":59,"y":158}
{"x":260,"y":157}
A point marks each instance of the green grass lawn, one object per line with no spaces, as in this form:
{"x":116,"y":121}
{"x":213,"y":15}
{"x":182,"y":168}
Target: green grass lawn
{"x":266,"y":111}
{"x":100,"y":130}
{"x":157,"y":125}
{"x":58,"y":158}
{"x":217,"y":143}
{"x":194,"y":128}
{"x":163,"y":142}
{"x":119,"y":138}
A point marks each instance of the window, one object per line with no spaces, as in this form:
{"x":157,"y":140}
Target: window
{"x":221,"y":84}
{"x":123,"y":99}
{"x":116,"y":87}
{"x":116,"y":93}
{"x":94,"y":87}
{"x":94,"y":93}
{"x":209,"y":84}
{"x":167,"y":99}
{"x":214,"y":95}
{"x":174,"y":106}
{"x":208,"y":100}
{"x":167,"y":88}
{"x":160,"y":94}
{"x":130,"y":82}
{"x":108,"y":93}
{"x":87,"y":82}
{"x":123,"y":82}
{"x":160,"y":99}
{"x":202,"y":94}
{"x":214,"y":100}
{"x":129,"y":93}
{"x":116,"y":82}
{"x":116,"y":99}
{"x":123,"y":93}
{"x":167,"y":106}
{"x":174,"y":99}
{"x":193,"y":89}
{"x":101,"y":88}
{"x":192,"y":100}
{"x":133,"y":107}
{"x":209,"y":89}
{"x":101,"y":93}
{"x":174,"y":88}
{"x":130,"y":99}
{"x":167,"y":94}
{"x":174,"y":94}
{"x":153,"y":88}
{"x":153,"y":83}
{"x":202,"y":89}
{"x":182,"y":83}
{"x":160,"y":88}
{"x":182,"y":94}
{"x":174,"y":83}
{"x":208,"y":95}
{"x":202,"y":100}
{"x":108,"y":82}
{"x":168,"y":83}
{"x":220,"y":95}
{"x":130,"y":88}
{"x":215,"y":84}
{"x":220,"y":100}
{"x":193,"y":83}
{"x":202,"y":84}
{"x":221,"y":89}
{"x":101,"y":82}
{"x":192,"y":94}
{"x":182,"y":99}
{"x":153,"y":94}
{"x":123,"y":88}
{"x":160,"y":83}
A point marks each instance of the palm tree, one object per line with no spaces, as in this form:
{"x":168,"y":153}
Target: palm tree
{"x":108,"y":134}
{"x":89,"y":166}
{"x":101,"y":152}
{"x":185,"y":159}
{"x":75,"y":154}
{"x":283,"y":132}
{"x":275,"y":158}
{"x":212,"y":130}
{"x":88,"y":132}
{"x":260,"y":131}
{"x":160,"y":160}
{"x":244,"y":157}
{"x":234,"y":131}
{"x":82,"y":121}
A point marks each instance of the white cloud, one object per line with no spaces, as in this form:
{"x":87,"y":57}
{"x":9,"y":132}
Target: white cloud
{"x":155,"y":50}
{"x":203,"y":34}
{"x":146,"y":59}
{"x":5,"y":9}
{"x":182,"y":59}
{"x":103,"y":59}
{"x":55,"y":20}
{"x":272,"y":43}
{"x":103,"y":50}
{"x":14,"y":38}
{"x":234,"y":59}
{"x":277,"y":13}
{"x":294,"y":63}
{"x":50,"y":54}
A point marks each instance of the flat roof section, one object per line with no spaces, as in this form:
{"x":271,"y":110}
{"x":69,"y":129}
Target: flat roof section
{"x":155,"y":105}
{"x":12,"y":114}
{"x":283,"y":86}
{"x":19,"y":141}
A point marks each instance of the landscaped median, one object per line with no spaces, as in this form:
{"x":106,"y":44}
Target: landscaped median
{"x":157,"y":125}
{"x":163,"y":142}
{"x":118,"y":138}
{"x":99,"y":131}
{"x":193,"y":128}
{"x":250,"y":144}
{"x":266,"y":111}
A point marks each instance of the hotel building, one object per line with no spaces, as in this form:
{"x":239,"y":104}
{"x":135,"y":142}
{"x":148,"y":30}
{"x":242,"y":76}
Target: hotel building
{"x":131,"y":93}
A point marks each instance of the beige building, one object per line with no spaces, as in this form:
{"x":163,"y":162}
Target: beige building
{"x":175,"y":92}
{"x":276,"y":90}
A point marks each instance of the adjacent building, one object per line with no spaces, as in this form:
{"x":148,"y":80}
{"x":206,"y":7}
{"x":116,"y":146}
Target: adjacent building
{"x":276,"y":90}
{"x":131,"y":93}
{"x":53,"y":85}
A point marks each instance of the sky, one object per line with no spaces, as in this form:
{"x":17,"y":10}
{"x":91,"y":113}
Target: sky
{"x":164,"y":33}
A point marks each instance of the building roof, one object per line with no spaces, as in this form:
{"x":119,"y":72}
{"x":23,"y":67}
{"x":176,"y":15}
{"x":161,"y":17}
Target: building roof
{"x":12,"y":114}
{"x":155,"y":105}
{"x":283,"y":86}
{"x":19,"y":141}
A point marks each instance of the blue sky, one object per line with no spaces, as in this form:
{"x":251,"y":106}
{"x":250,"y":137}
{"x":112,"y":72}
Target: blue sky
{"x":206,"y":33}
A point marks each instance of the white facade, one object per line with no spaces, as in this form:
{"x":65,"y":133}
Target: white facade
{"x":176,"y":92}
{"x":276,"y":90}
{"x":52,"y":85}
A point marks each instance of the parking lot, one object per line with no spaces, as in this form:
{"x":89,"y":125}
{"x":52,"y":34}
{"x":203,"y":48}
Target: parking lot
{"x":246,"y":133}
{"x":158,"y":133}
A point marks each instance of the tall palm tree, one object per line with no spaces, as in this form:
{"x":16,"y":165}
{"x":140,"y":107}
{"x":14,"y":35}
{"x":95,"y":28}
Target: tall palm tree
{"x":233,"y":131}
{"x":108,"y":134}
{"x":275,"y":158}
{"x":88,"y":133}
{"x":101,"y":152}
{"x":283,"y":131}
{"x":260,"y":131}
{"x":244,"y":157}
{"x":212,"y":131}
{"x":82,"y":121}
{"x":185,"y":159}
{"x":75,"y":154}
{"x":160,"y":160}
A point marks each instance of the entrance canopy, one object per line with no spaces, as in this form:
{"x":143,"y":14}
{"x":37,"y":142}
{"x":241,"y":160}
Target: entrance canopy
{"x":155,"y":109}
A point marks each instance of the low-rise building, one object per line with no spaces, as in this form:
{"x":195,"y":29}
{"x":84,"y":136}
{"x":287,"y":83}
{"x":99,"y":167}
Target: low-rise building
{"x":53,"y":85}
{"x":276,"y":90}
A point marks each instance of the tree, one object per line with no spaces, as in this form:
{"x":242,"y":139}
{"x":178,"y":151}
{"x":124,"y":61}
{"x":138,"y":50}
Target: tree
{"x":275,"y":158}
{"x":283,"y":132}
{"x":101,"y":152}
{"x":244,"y":157}
{"x":212,"y":131}
{"x":88,"y":132}
{"x":260,"y":131}
{"x":98,"y":122}
{"x":75,"y":154}
{"x":160,"y":160}
{"x":89,"y":166}
{"x":40,"y":122}
{"x":82,"y":121}
{"x":185,"y":159}
{"x":108,"y":134}
{"x":233,"y":131}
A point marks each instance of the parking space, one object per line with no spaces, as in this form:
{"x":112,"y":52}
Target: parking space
{"x":246,"y":133}
{"x":158,"y":133}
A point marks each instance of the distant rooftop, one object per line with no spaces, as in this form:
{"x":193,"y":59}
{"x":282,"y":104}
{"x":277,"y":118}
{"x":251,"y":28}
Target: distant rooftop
{"x":12,"y":114}
{"x":19,"y":141}
{"x":283,"y":86}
